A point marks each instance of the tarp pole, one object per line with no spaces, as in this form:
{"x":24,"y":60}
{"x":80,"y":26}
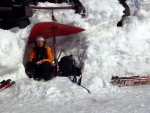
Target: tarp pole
{"x":55,"y":54}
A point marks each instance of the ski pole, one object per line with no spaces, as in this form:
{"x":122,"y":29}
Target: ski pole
{"x":86,"y":89}
{"x":60,"y":54}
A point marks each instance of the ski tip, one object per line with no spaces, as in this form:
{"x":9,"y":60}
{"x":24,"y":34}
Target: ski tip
{"x":13,"y":82}
{"x":114,"y":77}
{"x":89,"y":91}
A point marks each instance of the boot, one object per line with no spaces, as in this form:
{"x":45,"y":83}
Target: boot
{"x":48,"y":76}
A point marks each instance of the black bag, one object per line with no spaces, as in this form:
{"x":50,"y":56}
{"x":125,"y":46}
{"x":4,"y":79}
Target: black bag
{"x":67,"y":68}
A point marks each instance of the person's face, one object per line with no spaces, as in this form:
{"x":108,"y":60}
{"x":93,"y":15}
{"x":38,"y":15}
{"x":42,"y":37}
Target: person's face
{"x":40,"y":43}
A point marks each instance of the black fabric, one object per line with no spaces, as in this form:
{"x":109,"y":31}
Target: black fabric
{"x":31,"y":67}
{"x":53,"y":1}
{"x":34,"y":60}
{"x":6,"y":3}
{"x":40,"y":71}
{"x":67,"y":68}
{"x":45,"y":70}
{"x":41,"y":53}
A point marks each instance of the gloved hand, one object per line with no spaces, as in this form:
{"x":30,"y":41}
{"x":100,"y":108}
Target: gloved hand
{"x":39,"y":62}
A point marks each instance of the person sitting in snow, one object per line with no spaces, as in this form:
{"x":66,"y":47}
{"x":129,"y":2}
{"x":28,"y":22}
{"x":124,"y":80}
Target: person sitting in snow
{"x":40,"y":61}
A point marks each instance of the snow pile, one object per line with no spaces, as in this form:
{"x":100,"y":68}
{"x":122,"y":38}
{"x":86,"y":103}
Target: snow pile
{"x":103,"y":51}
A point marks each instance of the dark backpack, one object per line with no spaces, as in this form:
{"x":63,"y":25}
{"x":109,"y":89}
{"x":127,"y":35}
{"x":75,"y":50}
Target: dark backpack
{"x":67,"y":68}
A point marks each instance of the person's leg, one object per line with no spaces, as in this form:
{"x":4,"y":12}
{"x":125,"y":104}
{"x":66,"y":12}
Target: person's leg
{"x":30,"y":69}
{"x":46,"y":70}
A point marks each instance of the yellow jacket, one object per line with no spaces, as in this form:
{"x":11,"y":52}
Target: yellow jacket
{"x":49,"y":55}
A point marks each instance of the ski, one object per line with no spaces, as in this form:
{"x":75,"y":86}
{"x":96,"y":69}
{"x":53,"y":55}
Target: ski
{"x":129,"y":81}
{"x":6,"y":84}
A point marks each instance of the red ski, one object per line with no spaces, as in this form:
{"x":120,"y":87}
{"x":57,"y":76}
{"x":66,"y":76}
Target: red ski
{"x":129,"y":81}
{"x":6,"y":84}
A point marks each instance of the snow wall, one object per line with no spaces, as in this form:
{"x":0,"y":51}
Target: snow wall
{"x":103,"y":50}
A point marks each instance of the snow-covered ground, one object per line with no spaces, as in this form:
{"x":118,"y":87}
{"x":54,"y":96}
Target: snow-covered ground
{"x":103,"y":50}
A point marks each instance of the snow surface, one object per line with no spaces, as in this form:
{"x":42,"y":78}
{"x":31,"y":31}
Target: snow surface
{"x":103,"y":50}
